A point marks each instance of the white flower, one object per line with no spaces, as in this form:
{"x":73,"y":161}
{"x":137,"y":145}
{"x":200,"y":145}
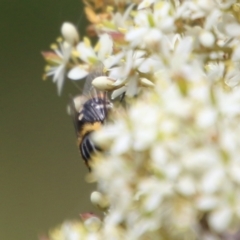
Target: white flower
{"x":149,"y":31}
{"x":58,"y":61}
{"x":126,"y":77}
{"x":170,"y":156}
{"x":91,"y":56}
{"x":191,"y":10}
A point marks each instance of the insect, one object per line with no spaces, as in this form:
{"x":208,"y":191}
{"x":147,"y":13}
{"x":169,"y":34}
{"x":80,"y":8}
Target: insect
{"x":89,"y":112}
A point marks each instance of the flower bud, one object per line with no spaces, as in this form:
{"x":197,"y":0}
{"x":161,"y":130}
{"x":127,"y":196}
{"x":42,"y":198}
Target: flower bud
{"x":105,"y":83}
{"x":146,"y":83}
{"x":99,"y":200}
{"x":207,"y":39}
{"x":69,"y":32}
{"x":91,"y":221}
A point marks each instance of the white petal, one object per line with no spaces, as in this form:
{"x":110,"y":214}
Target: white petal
{"x":206,"y":117}
{"x":127,"y":12}
{"x":212,"y":19}
{"x":183,"y":49}
{"x":132,"y":87}
{"x":186,"y":186}
{"x":113,"y":60}
{"x":128,"y":65}
{"x":226,"y":4}
{"x":158,"y":155}
{"x":174,"y":40}
{"x":149,"y":65}
{"x":235,"y":172}
{"x":59,"y":72}
{"x":138,"y":54}
{"x":66,"y":51}
{"x":77,"y":73}
{"x":106,"y":45}
{"x":122,"y":143}
{"x":86,"y":53}
{"x":115,"y":72}
{"x":220,"y":219}
{"x":145,"y":4}
{"x":51,"y":71}
{"x":60,"y":78}
{"x":153,"y":37}
{"x":233,"y":29}
{"x":167,"y":25}
{"x":213,"y":180}
{"x":236,"y":54}
{"x":172,"y":171}
{"x":118,"y":92}
{"x":206,"y":203}
{"x":135,"y":36}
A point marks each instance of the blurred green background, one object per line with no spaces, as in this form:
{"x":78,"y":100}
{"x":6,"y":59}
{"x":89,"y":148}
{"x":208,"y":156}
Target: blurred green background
{"x":41,"y":173}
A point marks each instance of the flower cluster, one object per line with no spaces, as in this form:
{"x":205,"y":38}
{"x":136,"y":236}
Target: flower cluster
{"x":171,"y":165}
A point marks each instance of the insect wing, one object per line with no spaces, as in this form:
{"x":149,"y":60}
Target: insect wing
{"x":95,"y":109}
{"x":97,"y":71}
{"x":74,"y":114}
{"x":75,"y":107}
